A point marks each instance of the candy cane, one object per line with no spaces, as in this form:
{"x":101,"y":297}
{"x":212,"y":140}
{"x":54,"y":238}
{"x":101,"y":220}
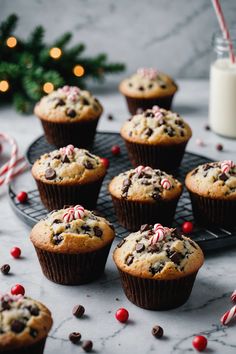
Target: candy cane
{"x":165,"y":183}
{"x":78,"y":212}
{"x":159,"y":234}
{"x":228,"y":316}
{"x":226,"y":166}
{"x":233,"y":296}
{"x":69,"y":215}
{"x":149,"y":73}
{"x":141,"y":168}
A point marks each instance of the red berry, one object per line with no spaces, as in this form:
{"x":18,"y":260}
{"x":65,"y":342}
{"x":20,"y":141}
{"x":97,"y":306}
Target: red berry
{"x":199,"y":343}
{"x":22,"y":197}
{"x":18,"y":290}
{"x":16,"y":252}
{"x":105,"y":162}
{"x":219,"y":147}
{"x":122,"y":315}
{"x":115,"y":150}
{"x":187,"y":227}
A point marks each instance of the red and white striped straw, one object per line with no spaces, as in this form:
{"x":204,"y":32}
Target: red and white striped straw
{"x":224,"y":28}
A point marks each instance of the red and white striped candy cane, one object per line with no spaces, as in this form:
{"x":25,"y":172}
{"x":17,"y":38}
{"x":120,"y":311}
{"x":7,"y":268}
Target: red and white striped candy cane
{"x":70,"y":149}
{"x":79,"y":212}
{"x":69,"y":215}
{"x":141,"y":168}
{"x":159,"y":234}
{"x":226,"y":166}
{"x":233,"y":296}
{"x":228,"y":316}
{"x":165,"y":183}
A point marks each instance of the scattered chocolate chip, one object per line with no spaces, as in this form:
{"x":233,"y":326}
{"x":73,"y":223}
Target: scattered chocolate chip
{"x":84,"y":101}
{"x":163,"y":86}
{"x":182,"y":133}
{"x":153,"y":248}
{"x":149,"y":114}
{"x":207,"y":127}
{"x":194,"y":172}
{"x":161,"y":122}
{"x":145,"y":227}
{"x":170,"y":131}
{"x":145,"y":182}
{"x":192,"y":244}
{"x":78,"y":311}
{"x":5,"y":269}
{"x":33,"y":332}
{"x":34,"y":310}
{"x":60,"y":102}
{"x":129,"y":260}
{"x":86,"y":228}
{"x":139,"y":247}
{"x":17,"y":326}
{"x":65,"y":159}
{"x":75,"y":337}
{"x":157,"y":331}
{"x":223,"y":177}
{"x":56,"y":157}
{"x":110,"y":117}
{"x":148,"y":131}
{"x":207,"y":167}
{"x":150,"y":86}
{"x":219,"y":147}
{"x":57,"y":221}
{"x":156,"y":196}
{"x":120,"y":244}
{"x":141,"y":88}
{"x":126,"y":185}
{"x":57,"y":239}
{"x":70,"y":113}
{"x":5,"y":305}
{"x":87,"y":345}
{"x":176,"y":257}
{"x":50,"y":173}
{"x":156,"y":269}
{"x":97,"y":231}
{"x":88,"y":165}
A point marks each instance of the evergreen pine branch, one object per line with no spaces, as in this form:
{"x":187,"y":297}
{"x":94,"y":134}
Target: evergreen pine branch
{"x":75,"y":51}
{"x":35,"y":41}
{"x":21,"y":103}
{"x":62,"y":41}
{"x":9,"y":70}
{"x":8,"y":26}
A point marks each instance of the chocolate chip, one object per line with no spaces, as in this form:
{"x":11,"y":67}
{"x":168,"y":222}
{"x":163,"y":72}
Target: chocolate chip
{"x":194,"y":172}
{"x":5,"y":269}
{"x":34,"y":310}
{"x":153,"y":248}
{"x":148,"y":131}
{"x":17,"y":326}
{"x":157,"y":331}
{"x":163,"y":86}
{"x":149,"y":114}
{"x":88,"y":165}
{"x":84,"y":101}
{"x":150,"y":86}
{"x":50,"y":173}
{"x":145,"y":227}
{"x":70,"y":113}
{"x":145,"y":182}
{"x":139,"y":247}
{"x":56,"y":157}
{"x":5,"y":305}
{"x":110,"y":117}
{"x":129,"y":260}
{"x":219,"y":147}
{"x":192,"y":244}
{"x":141,"y":88}
{"x":170,"y":131}
{"x":121,"y":243}
{"x":97,"y":231}
{"x":74,"y":337}
{"x":87,"y":345}
{"x":156,"y":196}
{"x":207,"y":167}
{"x":65,"y":159}
{"x":78,"y":311}
{"x":57,"y":221}
{"x":182,"y":133}
{"x":33,"y":332}
{"x":176,"y":257}
{"x":156,"y":269}
{"x":86,"y":228}
{"x":161,"y":122}
{"x":223,"y":177}
{"x":57,"y":239}
{"x":126,"y":185}
{"x":60,"y":102}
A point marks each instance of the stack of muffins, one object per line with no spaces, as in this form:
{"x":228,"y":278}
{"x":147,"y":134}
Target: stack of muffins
{"x":157,"y":265}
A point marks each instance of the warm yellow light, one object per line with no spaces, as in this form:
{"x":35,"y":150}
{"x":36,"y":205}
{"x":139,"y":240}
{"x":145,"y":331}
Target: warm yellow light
{"x":78,"y":70}
{"x":48,"y":87}
{"x":55,"y":53}
{"x":4,"y":85}
{"x":11,"y":42}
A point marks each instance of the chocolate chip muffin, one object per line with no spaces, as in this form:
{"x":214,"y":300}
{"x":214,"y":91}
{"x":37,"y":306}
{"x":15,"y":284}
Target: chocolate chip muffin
{"x":142,"y":195}
{"x":156,"y":138}
{"x":146,"y":88}
{"x":69,"y":176}
{"x":69,"y":115}
{"x":24,"y":325}
{"x":158,"y":267}
{"x":212,"y":188}
{"x":72,"y":245}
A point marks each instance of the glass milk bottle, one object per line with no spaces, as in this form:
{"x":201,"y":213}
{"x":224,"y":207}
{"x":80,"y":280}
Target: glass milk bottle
{"x":222,"y":100}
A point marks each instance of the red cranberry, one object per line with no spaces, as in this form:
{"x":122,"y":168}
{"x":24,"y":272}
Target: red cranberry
{"x":115,"y":150}
{"x":122,"y":315}
{"x":219,"y":147}
{"x":187,"y":227}
{"x":199,"y":343}
{"x":18,"y":290}
{"x":105,"y":162}
{"x":16,"y":252}
{"x":22,"y":197}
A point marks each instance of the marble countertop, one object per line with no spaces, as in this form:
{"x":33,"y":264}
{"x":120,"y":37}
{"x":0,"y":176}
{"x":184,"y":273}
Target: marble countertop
{"x":210,"y":296}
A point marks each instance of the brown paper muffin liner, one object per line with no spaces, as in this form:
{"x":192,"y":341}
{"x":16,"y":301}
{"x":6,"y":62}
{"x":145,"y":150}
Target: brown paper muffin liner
{"x":56,"y":196}
{"x":213,"y":212}
{"x":165,"y":157}
{"x":73,"y":269}
{"x":132,"y":214}
{"x":144,"y":103}
{"x":154,"y":294}
{"x":36,"y":348}
{"x":80,"y":134}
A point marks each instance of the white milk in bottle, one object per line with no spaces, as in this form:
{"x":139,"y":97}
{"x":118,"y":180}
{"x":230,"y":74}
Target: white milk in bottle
{"x":222,"y":100}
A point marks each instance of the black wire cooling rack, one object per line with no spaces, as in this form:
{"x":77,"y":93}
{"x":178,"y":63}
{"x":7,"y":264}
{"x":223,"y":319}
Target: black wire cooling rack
{"x":32,"y":211}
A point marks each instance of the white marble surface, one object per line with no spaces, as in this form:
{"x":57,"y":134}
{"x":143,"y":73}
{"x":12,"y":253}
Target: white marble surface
{"x":210,"y":296}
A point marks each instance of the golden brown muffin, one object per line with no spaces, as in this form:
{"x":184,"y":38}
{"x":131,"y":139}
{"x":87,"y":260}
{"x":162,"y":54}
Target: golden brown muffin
{"x":69,"y":115}
{"x":68,"y":176}
{"x":158,"y":266}
{"x":212,"y":189}
{"x":146,"y":88}
{"x":144,"y":194}
{"x":72,"y":245}
{"x":156,"y":138}
{"x":25,"y":323}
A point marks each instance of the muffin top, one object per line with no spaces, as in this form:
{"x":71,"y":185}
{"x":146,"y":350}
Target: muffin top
{"x":145,"y":184}
{"x":158,"y":252}
{"x":156,"y":126}
{"x":214,"y":180}
{"x":72,"y":230}
{"x":23,"y":321}
{"x":68,"y":104}
{"x":68,"y":165}
{"x":148,"y":83}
